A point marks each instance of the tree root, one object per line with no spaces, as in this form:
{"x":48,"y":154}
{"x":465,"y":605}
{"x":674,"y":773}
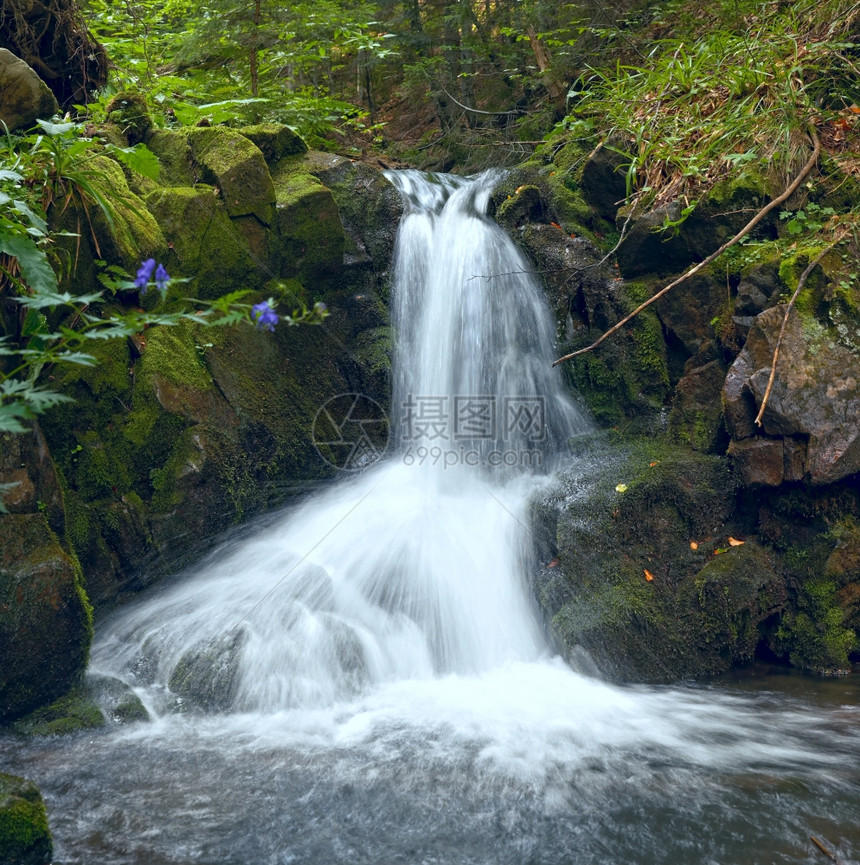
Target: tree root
{"x":776,"y":202}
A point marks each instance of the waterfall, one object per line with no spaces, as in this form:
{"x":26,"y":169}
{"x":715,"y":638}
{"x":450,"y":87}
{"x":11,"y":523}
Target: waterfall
{"x":364,"y":680}
{"x":414,"y":568}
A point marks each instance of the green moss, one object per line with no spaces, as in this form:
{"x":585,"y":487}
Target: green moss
{"x":275,"y":140}
{"x":128,"y":110}
{"x":171,"y":354}
{"x":205,"y":243}
{"x":72,"y":712}
{"x":237,"y":167}
{"x":25,"y":838}
{"x":133,"y":233}
{"x":174,"y":155}
{"x":309,"y":224}
{"x":814,"y":635}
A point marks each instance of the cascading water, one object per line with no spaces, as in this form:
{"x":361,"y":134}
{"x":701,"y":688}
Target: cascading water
{"x":365,"y":680}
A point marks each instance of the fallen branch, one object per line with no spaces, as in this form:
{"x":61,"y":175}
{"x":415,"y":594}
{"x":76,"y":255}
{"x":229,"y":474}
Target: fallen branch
{"x":790,"y":190}
{"x":800,"y":283}
{"x":828,"y":853}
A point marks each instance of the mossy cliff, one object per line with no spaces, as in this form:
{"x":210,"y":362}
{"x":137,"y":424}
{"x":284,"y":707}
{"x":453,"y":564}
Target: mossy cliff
{"x":690,"y":373}
{"x":183,"y":431}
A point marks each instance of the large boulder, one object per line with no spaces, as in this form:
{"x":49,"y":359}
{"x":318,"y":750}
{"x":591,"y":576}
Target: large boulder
{"x":638,"y":569}
{"x":24,"y":97}
{"x":25,"y":838}
{"x":815,"y":396}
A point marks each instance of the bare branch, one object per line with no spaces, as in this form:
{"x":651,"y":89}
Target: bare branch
{"x":800,"y":283}
{"x":790,"y":190}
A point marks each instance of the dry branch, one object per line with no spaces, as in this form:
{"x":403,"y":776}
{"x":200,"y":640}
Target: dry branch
{"x":790,"y":190}
{"x":800,"y":283}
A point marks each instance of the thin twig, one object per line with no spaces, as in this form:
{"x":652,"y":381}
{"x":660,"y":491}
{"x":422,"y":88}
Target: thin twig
{"x":477,"y":110}
{"x":828,"y":853}
{"x":816,"y":150}
{"x":800,"y":283}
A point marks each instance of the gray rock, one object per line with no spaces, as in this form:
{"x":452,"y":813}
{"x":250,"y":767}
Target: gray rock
{"x":815,"y":395}
{"x":24,"y":97}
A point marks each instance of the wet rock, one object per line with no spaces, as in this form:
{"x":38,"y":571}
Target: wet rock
{"x":726,"y":209}
{"x":630,"y":511}
{"x":45,"y":628}
{"x":206,"y":675}
{"x":650,"y":246}
{"x":24,"y":97}
{"x":688,"y":310}
{"x":25,"y":838}
{"x":525,"y":205}
{"x":696,"y":415}
{"x":816,"y":393}
{"x":604,"y":178}
{"x":370,"y":207}
{"x":758,"y":461}
{"x":73,"y":712}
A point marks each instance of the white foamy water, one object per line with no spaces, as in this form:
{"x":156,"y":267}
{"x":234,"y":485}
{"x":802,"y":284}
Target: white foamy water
{"x":365,"y":679}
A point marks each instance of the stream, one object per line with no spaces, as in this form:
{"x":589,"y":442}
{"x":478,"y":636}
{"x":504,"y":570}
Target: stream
{"x":364,"y":678}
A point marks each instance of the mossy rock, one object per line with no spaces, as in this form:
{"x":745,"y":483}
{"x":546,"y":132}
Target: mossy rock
{"x":205,"y":243}
{"x":73,"y":712}
{"x":174,"y":155}
{"x":45,"y":618}
{"x":206,"y":675}
{"x":128,"y":110}
{"x":25,"y":838}
{"x":309,"y":225}
{"x":133,"y":233}
{"x":235,"y":165}
{"x":621,"y":579}
{"x":275,"y":140}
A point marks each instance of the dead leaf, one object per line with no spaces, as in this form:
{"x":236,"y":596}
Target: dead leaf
{"x":694,"y":545}
{"x":655,"y":463}
{"x":648,"y":575}
{"x":734,"y":543}
{"x":553,"y":563}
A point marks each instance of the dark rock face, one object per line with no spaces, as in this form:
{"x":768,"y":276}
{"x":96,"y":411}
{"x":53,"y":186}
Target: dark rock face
{"x":604,"y":183}
{"x":815,"y":396}
{"x":24,"y":97}
{"x":621,"y":580}
{"x":24,"y":835}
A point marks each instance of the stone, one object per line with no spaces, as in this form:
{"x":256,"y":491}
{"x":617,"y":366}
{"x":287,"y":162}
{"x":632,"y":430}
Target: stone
{"x":758,"y":461}
{"x":815,"y":394}
{"x":275,"y":141}
{"x":370,"y":207}
{"x":604,"y":178}
{"x":45,"y":618}
{"x":24,"y":97}
{"x":25,"y":838}
{"x":688,"y":310}
{"x":648,"y":246}
{"x":696,"y":416}
{"x":237,"y":168}
{"x":128,"y":110}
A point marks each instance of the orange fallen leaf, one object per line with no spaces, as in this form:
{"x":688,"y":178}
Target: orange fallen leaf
{"x":655,"y":463}
{"x":694,"y":545}
{"x":734,"y":543}
{"x":556,"y":225}
{"x":553,"y":563}
{"x":648,"y":575}
{"x":518,"y":190}
{"x":854,"y":109}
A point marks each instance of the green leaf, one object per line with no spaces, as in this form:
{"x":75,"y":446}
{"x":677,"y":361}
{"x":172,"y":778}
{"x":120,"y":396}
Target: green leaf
{"x":32,"y":261}
{"x":34,"y":323}
{"x":140,"y":159}
{"x":35,"y":220}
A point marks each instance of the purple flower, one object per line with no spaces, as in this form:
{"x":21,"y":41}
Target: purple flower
{"x":264,"y":315}
{"x":161,"y":278}
{"x":320,"y":308}
{"x":144,"y":274}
